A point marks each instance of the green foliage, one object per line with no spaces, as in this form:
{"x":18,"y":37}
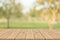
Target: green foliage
{"x":32,"y":14}
{"x":10,"y":9}
{"x":2,"y":12}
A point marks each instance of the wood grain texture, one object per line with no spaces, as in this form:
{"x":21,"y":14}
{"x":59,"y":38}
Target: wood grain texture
{"x":29,"y":34}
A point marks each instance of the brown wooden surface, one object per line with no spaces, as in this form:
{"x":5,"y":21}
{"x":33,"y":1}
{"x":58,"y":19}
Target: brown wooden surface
{"x":29,"y":34}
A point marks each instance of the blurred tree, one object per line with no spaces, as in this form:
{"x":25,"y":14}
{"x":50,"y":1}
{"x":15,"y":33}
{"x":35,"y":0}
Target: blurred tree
{"x":40,"y":1}
{"x":16,"y":8}
{"x":33,"y":12}
{"x":12,"y":8}
{"x":1,"y":10}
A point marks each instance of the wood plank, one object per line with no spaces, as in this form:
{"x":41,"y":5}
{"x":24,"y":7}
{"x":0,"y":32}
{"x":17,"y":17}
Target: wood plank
{"x":21,"y":35}
{"x":5,"y":34}
{"x":38,"y":35}
{"x":54,"y":34}
{"x":57,"y":31}
{"x":45,"y":34}
{"x":2,"y":31}
{"x":13,"y":34}
{"x":42,"y":34}
{"x":29,"y":34}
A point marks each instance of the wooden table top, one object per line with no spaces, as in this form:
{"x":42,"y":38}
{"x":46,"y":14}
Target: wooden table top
{"x":29,"y":34}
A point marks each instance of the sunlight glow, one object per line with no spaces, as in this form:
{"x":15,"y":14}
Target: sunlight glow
{"x":27,"y":4}
{"x":0,"y":4}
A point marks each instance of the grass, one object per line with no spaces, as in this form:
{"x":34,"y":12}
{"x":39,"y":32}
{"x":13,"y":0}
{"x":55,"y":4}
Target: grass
{"x":55,"y":26}
{"x":28,"y":25}
{"x":3,"y":25}
{"x":21,"y":24}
